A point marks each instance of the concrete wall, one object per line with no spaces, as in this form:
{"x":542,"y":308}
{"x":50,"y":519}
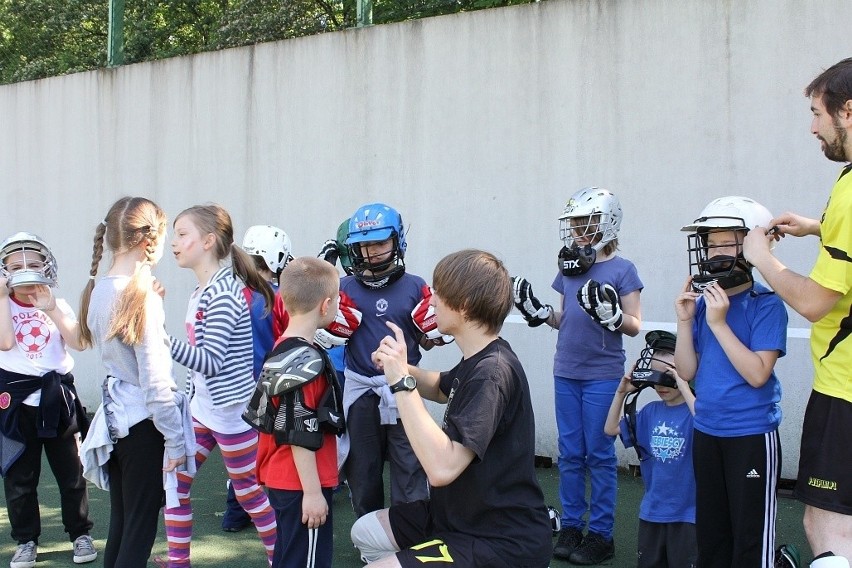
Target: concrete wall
{"x":478,"y":127}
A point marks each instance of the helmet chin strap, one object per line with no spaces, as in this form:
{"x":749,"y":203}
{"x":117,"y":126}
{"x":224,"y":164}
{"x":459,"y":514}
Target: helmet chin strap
{"x":381,"y":282}
{"x":576,"y":260}
{"x":726,"y":281}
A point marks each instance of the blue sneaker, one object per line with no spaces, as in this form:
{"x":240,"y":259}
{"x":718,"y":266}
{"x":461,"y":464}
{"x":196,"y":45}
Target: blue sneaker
{"x":235,"y":518}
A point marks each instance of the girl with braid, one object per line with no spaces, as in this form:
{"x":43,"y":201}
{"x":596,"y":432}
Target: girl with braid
{"x":218,"y":355}
{"x":138,"y":432}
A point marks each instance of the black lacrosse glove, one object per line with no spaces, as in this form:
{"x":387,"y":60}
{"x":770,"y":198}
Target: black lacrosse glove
{"x":329,"y":252}
{"x":602,"y":303}
{"x":534,"y":313}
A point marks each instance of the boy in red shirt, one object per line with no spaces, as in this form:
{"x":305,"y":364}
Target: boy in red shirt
{"x":297,"y":409}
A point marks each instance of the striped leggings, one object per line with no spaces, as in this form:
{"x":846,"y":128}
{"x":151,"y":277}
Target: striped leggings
{"x":239,"y":452}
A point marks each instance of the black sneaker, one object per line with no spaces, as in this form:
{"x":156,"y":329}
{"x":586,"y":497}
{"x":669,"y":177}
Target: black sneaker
{"x":569,"y":539}
{"x":593,"y":550}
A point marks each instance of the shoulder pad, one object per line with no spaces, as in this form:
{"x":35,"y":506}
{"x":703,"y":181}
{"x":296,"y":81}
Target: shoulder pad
{"x":290,"y":365}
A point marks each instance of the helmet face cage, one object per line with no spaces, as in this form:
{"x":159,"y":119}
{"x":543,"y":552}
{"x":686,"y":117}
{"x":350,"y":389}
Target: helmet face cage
{"x":650,"y":369}
{"x":36,"y":264}
{"x":593,"y":215}
{"x":707,"y":264}
{"x":271,"y":244}
{"x":647,"y":372}
{"x":371,"y":224}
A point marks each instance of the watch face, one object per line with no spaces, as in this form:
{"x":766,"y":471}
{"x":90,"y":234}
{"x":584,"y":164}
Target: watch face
{"x":406,"y":383}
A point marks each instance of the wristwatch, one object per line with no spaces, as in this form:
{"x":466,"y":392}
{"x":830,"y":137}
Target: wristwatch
{"x":406,"y":383}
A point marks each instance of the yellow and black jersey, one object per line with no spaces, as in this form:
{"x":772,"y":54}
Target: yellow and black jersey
{"x":831,"y":344}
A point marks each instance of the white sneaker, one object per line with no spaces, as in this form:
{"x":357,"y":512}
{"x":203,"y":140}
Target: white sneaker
{"x":25,"y":556}
{"x":84,"y":549}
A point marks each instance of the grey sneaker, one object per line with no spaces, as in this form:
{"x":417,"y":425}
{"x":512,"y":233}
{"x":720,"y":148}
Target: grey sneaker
{"x":25,"y":556}
{"x":84,"y":549}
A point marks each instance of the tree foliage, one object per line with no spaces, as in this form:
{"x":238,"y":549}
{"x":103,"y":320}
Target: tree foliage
{"x":42,"y":38}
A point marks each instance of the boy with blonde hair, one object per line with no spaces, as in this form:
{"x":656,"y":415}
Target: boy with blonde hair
{"x":297,"y":409}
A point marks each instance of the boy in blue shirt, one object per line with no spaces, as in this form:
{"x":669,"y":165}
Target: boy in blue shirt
{"x":661,"y":434}
{"x":732,"y":330}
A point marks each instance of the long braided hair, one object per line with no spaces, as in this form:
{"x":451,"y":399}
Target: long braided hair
{"x":130,"y":222}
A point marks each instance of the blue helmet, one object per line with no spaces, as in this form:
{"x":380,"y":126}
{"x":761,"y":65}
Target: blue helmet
{"x":372,"y":223}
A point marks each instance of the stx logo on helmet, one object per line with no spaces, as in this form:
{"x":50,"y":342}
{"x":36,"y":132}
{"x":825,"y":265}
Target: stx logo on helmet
{"x":367,"y":223}
{"x":570,"y":264}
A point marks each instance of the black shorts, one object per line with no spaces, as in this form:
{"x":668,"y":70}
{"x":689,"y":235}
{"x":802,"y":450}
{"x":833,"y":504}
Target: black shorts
{"x":420,"y":546}
{"x":667,"y":544}
{"x":825,"y":478}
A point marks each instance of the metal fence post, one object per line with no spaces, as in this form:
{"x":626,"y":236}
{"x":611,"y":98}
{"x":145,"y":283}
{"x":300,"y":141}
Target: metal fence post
{"x":115,"y":37}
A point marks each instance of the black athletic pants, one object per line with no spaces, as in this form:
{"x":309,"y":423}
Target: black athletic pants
{"x":736,"y":481}
{"x":21,"y":481}
{"x":135,"y":495}
{"x":372,"y":442}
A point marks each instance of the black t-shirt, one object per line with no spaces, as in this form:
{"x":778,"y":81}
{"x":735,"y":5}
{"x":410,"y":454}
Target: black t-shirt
{"x":497,"y":497}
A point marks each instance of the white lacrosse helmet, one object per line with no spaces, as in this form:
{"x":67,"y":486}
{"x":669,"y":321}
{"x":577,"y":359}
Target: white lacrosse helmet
{"x":37,"y":265}
{"x":731,"y":213}
{"x":601,"y":213}
{"x":270,"y":243}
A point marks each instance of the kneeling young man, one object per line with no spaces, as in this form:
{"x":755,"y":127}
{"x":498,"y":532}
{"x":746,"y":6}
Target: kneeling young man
{"x":486,"y":507}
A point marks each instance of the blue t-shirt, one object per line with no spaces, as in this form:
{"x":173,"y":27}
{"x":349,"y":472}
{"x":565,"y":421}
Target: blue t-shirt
{"x":263,"y":326}
{"x":726,"y":405}
{"x":584,"y":348}
{"x":665,"y":433}
{"x":393,"y":303}
{"x":336,"y":356}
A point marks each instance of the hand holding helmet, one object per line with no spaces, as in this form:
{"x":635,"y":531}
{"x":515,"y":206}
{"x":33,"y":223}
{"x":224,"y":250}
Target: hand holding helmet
{"x":626,"y":386}
{"x":602,"y":303}
{"x":652,"y":368}
{"x":530,"y":307}
{"x":42,"y":298}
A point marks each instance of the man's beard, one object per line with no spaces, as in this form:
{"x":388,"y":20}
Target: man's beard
{"x":836,"y":151}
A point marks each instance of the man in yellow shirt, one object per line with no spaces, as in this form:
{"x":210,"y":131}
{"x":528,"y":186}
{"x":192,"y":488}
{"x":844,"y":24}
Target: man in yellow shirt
{"x":824,"y":297}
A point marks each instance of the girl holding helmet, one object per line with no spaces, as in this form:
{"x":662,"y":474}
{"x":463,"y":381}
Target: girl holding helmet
{"x":588,"y":364}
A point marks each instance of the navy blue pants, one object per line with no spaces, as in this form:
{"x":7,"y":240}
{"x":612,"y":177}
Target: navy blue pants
{"x":297,"y":546}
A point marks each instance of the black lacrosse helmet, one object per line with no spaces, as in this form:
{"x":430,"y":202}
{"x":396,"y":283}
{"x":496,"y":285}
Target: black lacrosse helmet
{"x":644,"y":375}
